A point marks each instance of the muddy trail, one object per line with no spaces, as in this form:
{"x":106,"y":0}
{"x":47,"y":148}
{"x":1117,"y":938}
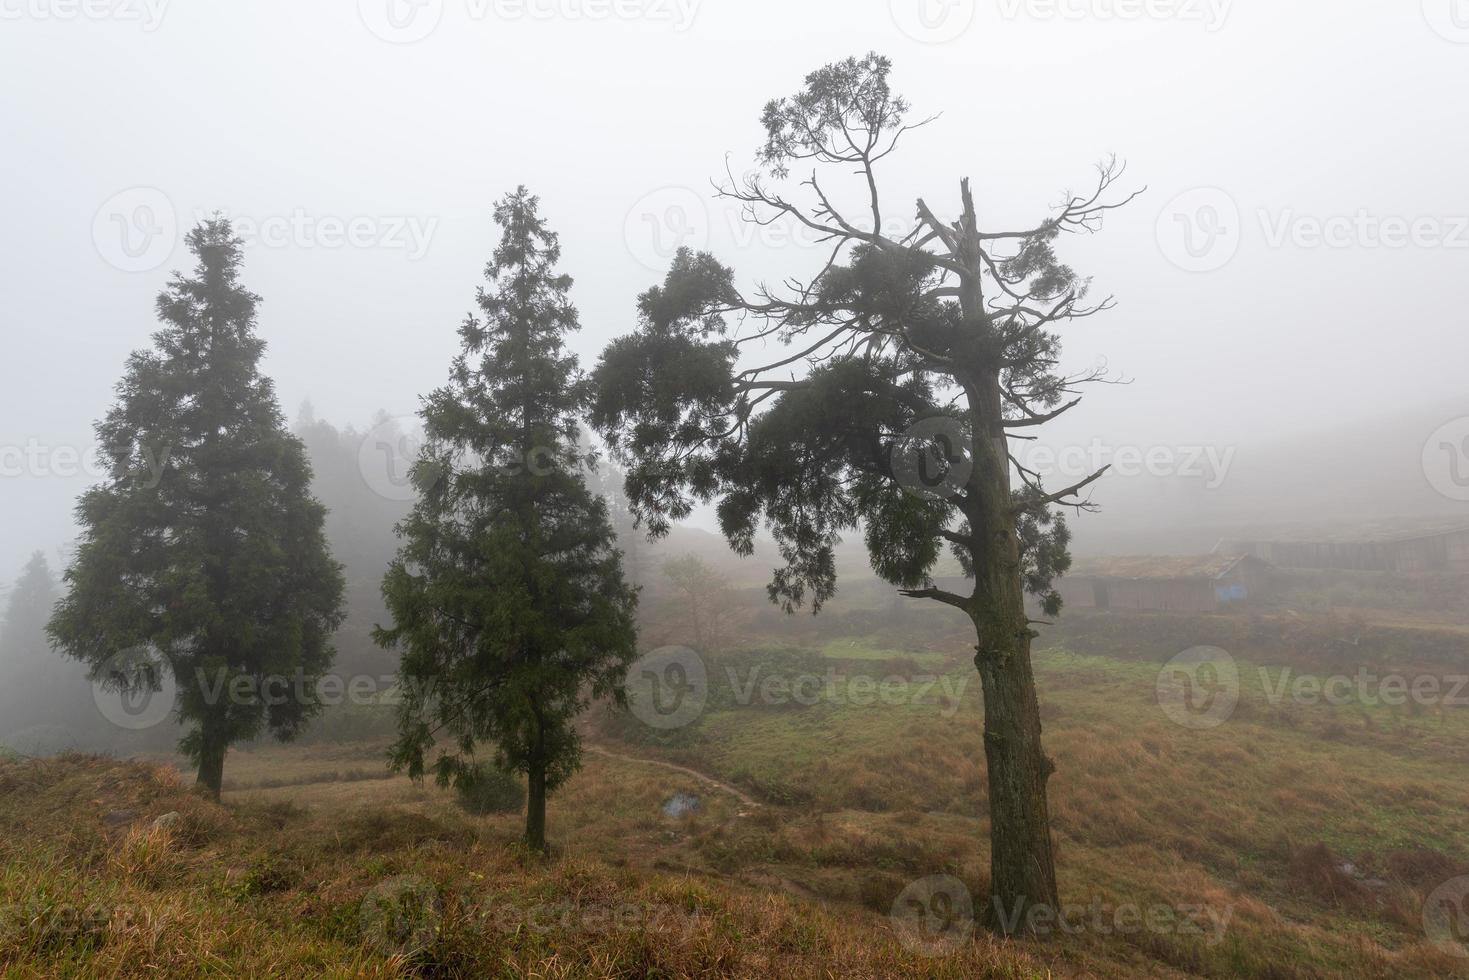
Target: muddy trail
{"x":707,"y":780}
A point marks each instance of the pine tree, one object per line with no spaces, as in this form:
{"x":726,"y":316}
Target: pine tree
{"x":202,"y":555}
{"x":31,"y":667}
{"x":23,"y":637}
{"x":507,"y":595}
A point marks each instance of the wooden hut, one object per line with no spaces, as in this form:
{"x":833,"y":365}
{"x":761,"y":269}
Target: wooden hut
{"x":1421,"y":547}
{"x":1204,"y":583}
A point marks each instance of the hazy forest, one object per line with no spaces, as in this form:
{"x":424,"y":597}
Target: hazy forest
{"x":675,"y":488}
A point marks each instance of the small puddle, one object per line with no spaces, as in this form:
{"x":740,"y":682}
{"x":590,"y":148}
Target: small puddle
{"x":679,"y":804}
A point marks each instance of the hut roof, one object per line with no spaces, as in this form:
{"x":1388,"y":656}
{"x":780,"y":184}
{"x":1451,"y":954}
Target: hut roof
{"x":1359,"y":532}
{"x":1157,"y":567}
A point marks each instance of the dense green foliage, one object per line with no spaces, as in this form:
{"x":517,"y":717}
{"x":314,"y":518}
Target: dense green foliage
{"x":490,"y":789}
{"x":202,"y":556}
{"x":507,"y":596}
{"x":889,"y":359}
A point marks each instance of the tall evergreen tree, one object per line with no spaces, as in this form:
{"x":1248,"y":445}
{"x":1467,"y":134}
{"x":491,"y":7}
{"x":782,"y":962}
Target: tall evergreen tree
{"x":202,"y":555}
{"x":23,"y":637}
{"x":29,"y":697}
{"x":507,"y":596}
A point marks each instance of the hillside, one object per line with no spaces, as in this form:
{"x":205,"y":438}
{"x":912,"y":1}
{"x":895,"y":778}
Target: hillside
{"x":112,"y":868}
{"x":1297,"y":839}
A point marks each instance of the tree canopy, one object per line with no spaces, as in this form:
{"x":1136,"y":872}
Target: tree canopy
{"x":507,"y":595}
{"x":906,"y":367}
{"x":202,"y":556}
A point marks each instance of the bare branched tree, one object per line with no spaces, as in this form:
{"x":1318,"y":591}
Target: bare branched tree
{"x":908,"y":366}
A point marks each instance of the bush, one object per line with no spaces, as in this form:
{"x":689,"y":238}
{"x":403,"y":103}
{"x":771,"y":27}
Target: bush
{"x":491,"y":790}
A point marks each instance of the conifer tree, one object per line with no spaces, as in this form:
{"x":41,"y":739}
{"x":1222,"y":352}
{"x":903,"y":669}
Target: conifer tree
{"x":902,"y":375}
{"x":31,"y":696}
{"x":507,"y":595}
{"x":202,"y":556}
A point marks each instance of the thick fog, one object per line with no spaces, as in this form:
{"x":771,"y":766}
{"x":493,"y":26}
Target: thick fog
{"x":278,"y":693}
{"x":1290,"y":288}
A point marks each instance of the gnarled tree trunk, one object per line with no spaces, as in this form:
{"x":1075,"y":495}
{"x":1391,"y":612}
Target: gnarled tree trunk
{"x":1022,"y":862}
{"x":1022,"y":865}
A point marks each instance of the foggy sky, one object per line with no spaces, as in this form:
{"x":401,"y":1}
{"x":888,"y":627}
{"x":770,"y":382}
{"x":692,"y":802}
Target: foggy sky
{"x":298,"y":120}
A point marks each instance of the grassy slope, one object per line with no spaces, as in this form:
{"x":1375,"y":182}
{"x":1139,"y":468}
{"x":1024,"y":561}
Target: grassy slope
{"x":266,"y":888}
{"x":1145,"y":811}
{"x":859,"y":802}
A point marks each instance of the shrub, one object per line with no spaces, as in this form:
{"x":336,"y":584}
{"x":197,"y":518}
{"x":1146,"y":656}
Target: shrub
{"x":492,"y":790}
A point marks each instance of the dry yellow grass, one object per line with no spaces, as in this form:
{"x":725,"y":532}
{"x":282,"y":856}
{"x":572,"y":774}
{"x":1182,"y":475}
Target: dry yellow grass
{"x":1250,"y":823}
{"x":261,"y":888}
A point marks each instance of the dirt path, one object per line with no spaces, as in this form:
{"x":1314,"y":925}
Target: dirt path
{"x":683,"y":770}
